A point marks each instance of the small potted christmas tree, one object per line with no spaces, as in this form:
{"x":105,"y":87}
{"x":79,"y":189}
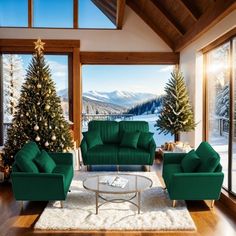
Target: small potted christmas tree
{"x":39,"y":116}
{"x":176,"y":114}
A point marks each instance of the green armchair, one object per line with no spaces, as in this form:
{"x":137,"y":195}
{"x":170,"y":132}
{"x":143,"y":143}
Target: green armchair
{"x":40,"y":186}
{"x":204,"y":183}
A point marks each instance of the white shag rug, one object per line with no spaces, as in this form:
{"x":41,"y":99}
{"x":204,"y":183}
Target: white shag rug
{"x":78,"y":213}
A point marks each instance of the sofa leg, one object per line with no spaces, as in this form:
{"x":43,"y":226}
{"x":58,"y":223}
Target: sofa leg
{"x":61,"y":203}
{"x":174,"y":203}
{"x":21,"y":205}
{"x":149,"y":168}
{"x":212,"y":203}
{"x":88,"y":167}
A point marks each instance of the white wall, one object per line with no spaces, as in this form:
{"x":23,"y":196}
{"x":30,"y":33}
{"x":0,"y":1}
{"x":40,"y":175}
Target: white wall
{"x":191,"y":64}
{"x":135,"y":36}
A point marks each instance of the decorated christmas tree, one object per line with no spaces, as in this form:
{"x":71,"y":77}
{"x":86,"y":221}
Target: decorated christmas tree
{"x":39,"y":116}
{"x":13,"y":77}
{"x":176,"y":114}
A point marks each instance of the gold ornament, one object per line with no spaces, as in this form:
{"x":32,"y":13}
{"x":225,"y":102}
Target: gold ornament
{"x":39,"y":86}
{"x":54,"y":138}
{"x":47,"y":107}
{"x":39,"y":46}
{"x":37,"y":138}
{"x":46,"y":144}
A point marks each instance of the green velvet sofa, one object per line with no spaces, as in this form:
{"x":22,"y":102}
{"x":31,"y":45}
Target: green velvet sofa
{"x":110,"y":152}
{"x":204,"y":183}
{"x":33,"y":185}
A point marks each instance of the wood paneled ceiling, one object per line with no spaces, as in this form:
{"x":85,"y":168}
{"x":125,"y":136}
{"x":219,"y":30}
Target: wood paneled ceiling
{"x":179,"y":22}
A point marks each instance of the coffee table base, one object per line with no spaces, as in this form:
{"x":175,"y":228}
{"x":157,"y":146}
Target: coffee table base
{"x":118,"y":200}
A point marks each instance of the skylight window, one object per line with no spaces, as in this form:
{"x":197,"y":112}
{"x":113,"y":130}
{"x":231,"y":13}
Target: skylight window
{"x":53,"y":13}
{"x":90,"y":16}
{"x":14,"y":13}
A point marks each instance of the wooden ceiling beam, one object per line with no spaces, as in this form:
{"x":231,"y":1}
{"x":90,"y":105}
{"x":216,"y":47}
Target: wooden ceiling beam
{"x":120,"y":12}
{"x":162,"y":11}
{"x":189,"y":7}
{"x":150,"y":23}
{"x":129,"y":58}
{"x":216,"y":11}
{"x":107,"y":8}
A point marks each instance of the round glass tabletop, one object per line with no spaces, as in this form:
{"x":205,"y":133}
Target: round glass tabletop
{"x":134,"y":183}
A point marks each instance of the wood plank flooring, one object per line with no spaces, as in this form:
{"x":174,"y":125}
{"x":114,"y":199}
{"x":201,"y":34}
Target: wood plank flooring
{"x":15,"y":222}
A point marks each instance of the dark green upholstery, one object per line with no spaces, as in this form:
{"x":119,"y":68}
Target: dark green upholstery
{"x":109,"y":130}
{"x":103,"y":155}
{"x":111,"y":153}
{"x":208,"y":156}
{"x":44,"y":186}
{"x":191,"y":186}
{"x":129,"y":156}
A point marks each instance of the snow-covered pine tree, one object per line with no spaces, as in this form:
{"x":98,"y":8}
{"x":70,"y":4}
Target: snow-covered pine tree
{"x":176,"y":114}
{"x":13,"y":74}
{"x":222,"y":102}
{"x":39,"y":116}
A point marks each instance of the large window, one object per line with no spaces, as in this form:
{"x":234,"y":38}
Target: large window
{"x":14,"y":70}
{"x":14,"y":13}
{"x":124,"y":92}
{"x":221,"y":93}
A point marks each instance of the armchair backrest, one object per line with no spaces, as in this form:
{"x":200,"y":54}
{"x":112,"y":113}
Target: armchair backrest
{"x":210,"y":159}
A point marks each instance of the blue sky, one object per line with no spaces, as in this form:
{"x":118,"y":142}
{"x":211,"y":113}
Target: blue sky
{"x":137,"y":78}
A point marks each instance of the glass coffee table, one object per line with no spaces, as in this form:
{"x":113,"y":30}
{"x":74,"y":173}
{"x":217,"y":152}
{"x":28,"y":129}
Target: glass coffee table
{"x":135,"y":185}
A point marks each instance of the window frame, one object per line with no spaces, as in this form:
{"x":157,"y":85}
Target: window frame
{"x":227,"y":37}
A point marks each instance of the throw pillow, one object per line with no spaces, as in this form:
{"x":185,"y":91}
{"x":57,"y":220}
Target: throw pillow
{"x":26,"y":165}
{"x":130,"y":139}
{"x":93,"y":138}
{"x":145,"y":139}
{"x":44,"y":162}
{"x":190,"y":162}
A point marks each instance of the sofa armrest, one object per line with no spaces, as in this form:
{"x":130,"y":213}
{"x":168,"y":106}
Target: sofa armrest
{"x":196,"y":186}
{"x":84,"y":149}
{"x":62,"y":158}
{"x":173,"y":158}
{"x":152,"y":150}
{"x":38,"y":186}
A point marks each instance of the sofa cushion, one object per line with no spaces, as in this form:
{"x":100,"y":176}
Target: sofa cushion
{"x":190,"y":162}
{"x":109,"y":130}
{"x":67,"y":171}
{"x":131,"y":126}
{"x":106,"y":154}
{"x":44,"y":162}
{"x":209,"y":158}
{"x":145,"y":139}
{"x":127,"y":156}
{"x":169,"y":170}
{"x":130,"y":139}
{"x":24,"y":157}
{"x":92,"y":138}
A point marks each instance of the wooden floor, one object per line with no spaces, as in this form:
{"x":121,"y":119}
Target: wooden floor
{"x":14,"y":222}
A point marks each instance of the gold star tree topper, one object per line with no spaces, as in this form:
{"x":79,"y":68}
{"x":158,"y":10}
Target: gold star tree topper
{"x":39,"y":46}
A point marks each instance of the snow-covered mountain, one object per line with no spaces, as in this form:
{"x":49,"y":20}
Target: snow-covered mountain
{"x":121,"y":98}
